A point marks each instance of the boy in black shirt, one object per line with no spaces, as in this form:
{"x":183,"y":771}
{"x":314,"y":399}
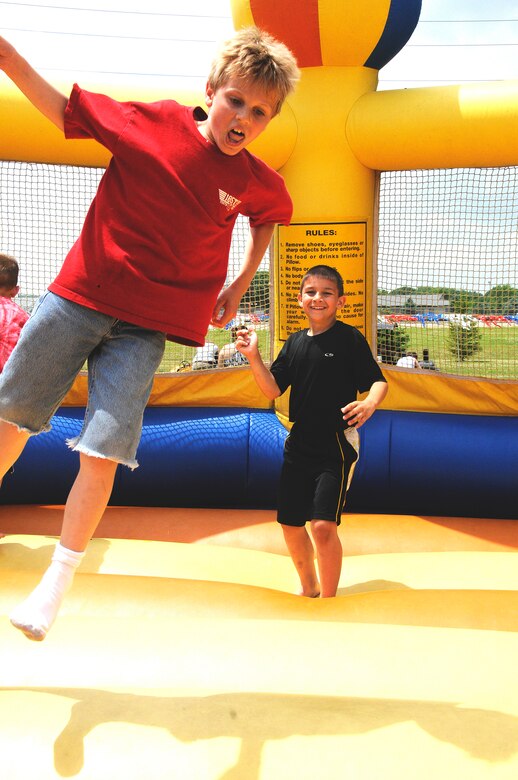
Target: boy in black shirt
{"x":326,"y":366}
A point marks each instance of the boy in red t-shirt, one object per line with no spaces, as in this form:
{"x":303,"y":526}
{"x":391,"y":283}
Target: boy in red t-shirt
{"x":149,"y":265}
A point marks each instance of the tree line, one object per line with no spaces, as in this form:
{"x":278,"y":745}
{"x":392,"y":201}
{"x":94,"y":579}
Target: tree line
{"x":500,"y":299}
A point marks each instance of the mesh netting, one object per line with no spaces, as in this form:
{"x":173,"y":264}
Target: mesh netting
{"x":448,"y":270}
{"x":447,"y":263}
{"x":42,"y":209}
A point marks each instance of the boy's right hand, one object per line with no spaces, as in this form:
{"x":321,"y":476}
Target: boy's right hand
{"x":246,"y":341}
{"x":43,"y":96}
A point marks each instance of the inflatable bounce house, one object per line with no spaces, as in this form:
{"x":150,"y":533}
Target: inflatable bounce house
{"x":182,"y":650}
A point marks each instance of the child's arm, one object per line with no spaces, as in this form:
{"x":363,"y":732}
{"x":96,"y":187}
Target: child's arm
{"x":48,"y":100}
{"x":229,"y":298}
{"x":358,"y":412}
{"x":246,"y":343}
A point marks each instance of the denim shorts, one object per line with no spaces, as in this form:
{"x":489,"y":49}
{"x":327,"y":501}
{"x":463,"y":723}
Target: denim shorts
{"x":54,"y":345}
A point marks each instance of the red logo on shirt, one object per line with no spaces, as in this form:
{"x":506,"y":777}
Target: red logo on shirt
{"x":228,"y":201}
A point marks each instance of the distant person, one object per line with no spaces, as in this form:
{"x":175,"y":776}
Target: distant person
{"x":326,"y":366}
{"x":409,"y":361}
{"x":426,"y":362}
{"x":12,"y":316}
{"x":149,"y":265}
{"x":229,"y":355}
{"x":205,"y":357}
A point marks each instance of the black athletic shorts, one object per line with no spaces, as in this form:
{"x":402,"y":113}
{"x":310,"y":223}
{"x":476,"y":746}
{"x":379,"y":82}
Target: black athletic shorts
{"x":315,"y":476}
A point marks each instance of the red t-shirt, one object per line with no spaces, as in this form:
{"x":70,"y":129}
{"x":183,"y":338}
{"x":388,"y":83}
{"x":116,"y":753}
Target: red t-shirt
{"x":12,"y":320}
{"x":154,"y":245}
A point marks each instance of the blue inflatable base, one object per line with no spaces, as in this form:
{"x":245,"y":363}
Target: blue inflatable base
{"x":437,"y":464}
{"x":410,"y":463}
{"x":190,"y":457}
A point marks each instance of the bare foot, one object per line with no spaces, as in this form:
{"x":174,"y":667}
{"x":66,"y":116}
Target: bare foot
{"x":313,"y":593}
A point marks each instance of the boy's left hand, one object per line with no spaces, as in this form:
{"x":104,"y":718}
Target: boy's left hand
{"x":358,"y":412}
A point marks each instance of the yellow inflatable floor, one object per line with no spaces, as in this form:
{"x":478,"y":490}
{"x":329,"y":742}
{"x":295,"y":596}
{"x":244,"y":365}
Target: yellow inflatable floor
{"x":185,"y":655}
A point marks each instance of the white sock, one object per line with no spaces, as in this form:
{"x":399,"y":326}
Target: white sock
{"x":36,"y":614}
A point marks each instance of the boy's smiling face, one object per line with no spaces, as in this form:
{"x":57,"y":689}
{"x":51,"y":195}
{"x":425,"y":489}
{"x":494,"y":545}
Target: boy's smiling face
{"x":238,"y":113}
{"x":320,"y":302}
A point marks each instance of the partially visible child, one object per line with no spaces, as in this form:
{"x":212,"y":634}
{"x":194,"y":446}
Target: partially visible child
{"x":326,"y":366}
{"x":150,"y":265}
{"x":12,"y":316}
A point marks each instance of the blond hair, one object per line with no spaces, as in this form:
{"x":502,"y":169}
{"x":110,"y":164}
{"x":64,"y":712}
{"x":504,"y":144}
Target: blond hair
{"x":257,"y":58}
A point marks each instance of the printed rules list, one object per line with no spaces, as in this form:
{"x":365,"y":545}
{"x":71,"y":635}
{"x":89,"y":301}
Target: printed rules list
{"x":300,"y":246}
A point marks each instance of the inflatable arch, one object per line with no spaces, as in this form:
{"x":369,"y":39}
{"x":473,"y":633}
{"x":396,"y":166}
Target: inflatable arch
{"x":440,"y":445}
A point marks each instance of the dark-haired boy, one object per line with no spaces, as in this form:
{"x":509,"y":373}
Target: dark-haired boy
{"x":326,"y":366}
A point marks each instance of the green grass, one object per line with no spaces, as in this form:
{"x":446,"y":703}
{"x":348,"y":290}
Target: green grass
{"x":176,"y":354}
{"x":497,"y":358}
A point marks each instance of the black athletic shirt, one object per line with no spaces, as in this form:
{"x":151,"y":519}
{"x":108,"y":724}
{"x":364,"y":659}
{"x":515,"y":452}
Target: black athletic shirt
{"x":325,"y":373}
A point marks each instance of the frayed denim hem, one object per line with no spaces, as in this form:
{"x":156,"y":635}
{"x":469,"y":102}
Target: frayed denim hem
{"x":23,"y":429}
{"x":74,"y":445}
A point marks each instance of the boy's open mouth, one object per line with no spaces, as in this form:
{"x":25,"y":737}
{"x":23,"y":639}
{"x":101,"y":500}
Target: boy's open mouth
{"x":236,"y":136}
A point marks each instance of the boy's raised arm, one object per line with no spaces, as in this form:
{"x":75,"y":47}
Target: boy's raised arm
{"x":247,"y":344}
{"x":48,"y":100}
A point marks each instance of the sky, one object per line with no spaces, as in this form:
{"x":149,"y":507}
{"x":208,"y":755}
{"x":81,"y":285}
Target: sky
{"x":171,"y":42}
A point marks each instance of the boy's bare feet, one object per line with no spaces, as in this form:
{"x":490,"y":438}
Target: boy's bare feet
{"x":310,"y":593}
